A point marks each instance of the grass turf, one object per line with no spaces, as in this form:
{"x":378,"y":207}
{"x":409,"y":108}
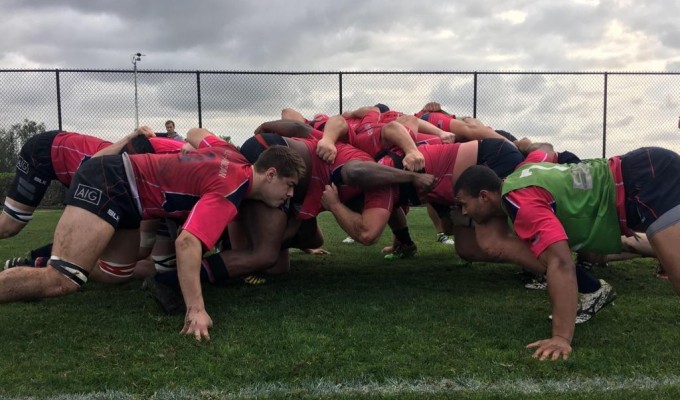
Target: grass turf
{"x":345,"y":325}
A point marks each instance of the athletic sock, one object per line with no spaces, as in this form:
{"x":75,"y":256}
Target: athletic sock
{"x":213,"y":270}
{"x":40,"y":262}
{"x":403,"y":236}
{"x":44,"y":251}
{"x":586,"y":282}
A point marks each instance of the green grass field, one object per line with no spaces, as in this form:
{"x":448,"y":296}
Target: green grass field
{"x":345,"y":325}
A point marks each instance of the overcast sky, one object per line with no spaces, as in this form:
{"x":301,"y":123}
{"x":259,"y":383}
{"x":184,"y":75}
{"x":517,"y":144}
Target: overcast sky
{"x":611,"y":35}
{"x":344,"y":36}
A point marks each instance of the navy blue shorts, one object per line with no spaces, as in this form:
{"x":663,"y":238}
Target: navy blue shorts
{"x":256,"y":145}
{"x":499,"y":155}
{"x":101,"y":186}
{"x":506,"y":135}
{"x":567,"y":157}
{"x":34,"y":170}
{"x":651,"y":179}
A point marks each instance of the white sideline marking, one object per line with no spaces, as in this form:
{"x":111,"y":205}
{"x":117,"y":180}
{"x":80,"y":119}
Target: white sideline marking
{"x":324,"y":388}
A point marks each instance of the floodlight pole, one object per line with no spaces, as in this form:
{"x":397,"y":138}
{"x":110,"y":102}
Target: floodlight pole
{"x":136,"y":57}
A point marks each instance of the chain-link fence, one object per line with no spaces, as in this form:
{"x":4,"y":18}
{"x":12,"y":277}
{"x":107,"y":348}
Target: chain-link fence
{"x":591,"y":114}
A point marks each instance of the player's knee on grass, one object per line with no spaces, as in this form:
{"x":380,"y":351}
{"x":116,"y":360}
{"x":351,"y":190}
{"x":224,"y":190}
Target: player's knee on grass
{"x":282,"y":264}
{"x":64,"y":277}
{"x":468,"y":251}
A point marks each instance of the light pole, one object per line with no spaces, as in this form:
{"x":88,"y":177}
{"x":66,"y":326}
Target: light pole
{"x":136,"y":57}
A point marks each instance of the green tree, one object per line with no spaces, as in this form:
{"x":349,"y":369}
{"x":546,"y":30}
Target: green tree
{"x":13,"y":138}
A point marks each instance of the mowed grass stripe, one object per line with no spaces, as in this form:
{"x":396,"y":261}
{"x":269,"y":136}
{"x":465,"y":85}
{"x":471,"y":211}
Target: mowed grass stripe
{"x":397,"y":387}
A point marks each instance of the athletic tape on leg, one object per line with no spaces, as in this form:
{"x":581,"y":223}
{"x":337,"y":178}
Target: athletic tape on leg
{"x":116,"y":269}
{"x":18,"y":215}
{"x":70,"y":270}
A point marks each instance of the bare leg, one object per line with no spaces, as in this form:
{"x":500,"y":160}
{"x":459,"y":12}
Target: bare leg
{"x":10,"y":226}
{"x":665,"y":244}
{"x":434,"y":217}
{"x":122,"y":249}
{"x":147,"y":242}
{"x":80,"y":237}
{"x":282,"y":265}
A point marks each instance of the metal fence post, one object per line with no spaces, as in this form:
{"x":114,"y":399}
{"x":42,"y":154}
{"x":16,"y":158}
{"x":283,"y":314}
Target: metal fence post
{"x":198,"y":90}
{"x":474,"y":98}
{"x":340,"y":91}
{"x":604,"y":118}
{"x":58,"y":99}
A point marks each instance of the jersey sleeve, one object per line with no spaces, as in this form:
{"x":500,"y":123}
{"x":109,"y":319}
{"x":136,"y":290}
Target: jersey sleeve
{"x":209,"y":218}
{"x":213,"y":141}
{"x":532,"y":211}
{"x":539,"y":156}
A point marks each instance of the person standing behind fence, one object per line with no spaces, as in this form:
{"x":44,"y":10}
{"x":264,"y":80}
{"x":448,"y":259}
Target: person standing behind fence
{"x":170,"y":129}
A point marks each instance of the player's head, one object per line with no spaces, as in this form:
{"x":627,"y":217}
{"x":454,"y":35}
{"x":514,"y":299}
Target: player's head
{"x":282,"y":168}
{"x":477,"y":190}
{"x":382,"y":107}
{"x":170,"y":127}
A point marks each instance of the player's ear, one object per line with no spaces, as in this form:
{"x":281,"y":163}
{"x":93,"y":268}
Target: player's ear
{"x":270,"y":173}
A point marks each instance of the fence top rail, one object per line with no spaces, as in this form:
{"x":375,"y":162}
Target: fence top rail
{"x":251,"y":72}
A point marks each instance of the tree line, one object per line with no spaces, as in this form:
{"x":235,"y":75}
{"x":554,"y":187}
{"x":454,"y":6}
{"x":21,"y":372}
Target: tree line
{"x":13,"y":138}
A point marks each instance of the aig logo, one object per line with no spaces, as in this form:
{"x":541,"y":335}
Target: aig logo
{"x":88,"y":194}
{"x":22,"y":165}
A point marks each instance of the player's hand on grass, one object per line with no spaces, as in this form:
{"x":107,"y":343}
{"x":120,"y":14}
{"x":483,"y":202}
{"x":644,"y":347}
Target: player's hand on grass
{"x":197,"y":322}
{"x":326,"y":150}
{"x":316,"y":252}
{"x":552,"y":348}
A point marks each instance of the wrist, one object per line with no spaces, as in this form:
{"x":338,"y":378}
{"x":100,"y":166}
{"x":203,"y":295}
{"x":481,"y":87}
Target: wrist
{"x":333,"y":206}
{"x":562,"y":337}
{"x":195,"y":309}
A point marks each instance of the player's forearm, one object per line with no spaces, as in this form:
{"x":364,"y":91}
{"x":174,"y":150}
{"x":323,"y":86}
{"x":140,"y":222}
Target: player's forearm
{"x":350,"y":222}
{"x":196,"y":135}
{"x":117,"y":147}
{"x":286,"y":128}
{"x":428,"y":128}
{"x":563,"y":296}
{"x":396,"y":135}
{"x":189,"y":252}
{"x":336,"y":128}
{"x":363,"y":111}
{"x":473,"y":131}
{"x":368,"y":175}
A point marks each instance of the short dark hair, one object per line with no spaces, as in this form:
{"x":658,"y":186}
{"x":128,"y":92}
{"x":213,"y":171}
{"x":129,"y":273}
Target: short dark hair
{"x":382,"y":107}
{"x":170,"y":122}
{"x":288,"y":163}
{"x":477,"y":178}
